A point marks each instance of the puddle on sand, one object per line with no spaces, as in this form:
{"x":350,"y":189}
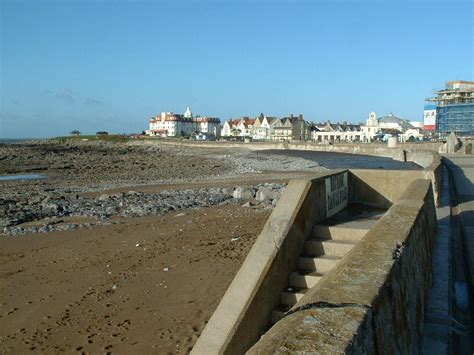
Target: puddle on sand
{"x":22,"y":177}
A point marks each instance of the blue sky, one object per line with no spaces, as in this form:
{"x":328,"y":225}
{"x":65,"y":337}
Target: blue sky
{"x":111,"y":65}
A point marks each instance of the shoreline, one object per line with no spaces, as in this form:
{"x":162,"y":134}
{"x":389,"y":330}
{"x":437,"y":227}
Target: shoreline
{"x":135,"y":245}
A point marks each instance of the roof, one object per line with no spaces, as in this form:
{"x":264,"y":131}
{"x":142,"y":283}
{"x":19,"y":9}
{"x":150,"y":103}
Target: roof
{"x":390,"y":119}
{"x":390,"y":131}
{"x":233,"y":122}
{"x":248,"y":122}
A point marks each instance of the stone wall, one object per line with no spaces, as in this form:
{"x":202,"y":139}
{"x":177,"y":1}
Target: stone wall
{"x":374,"y":300}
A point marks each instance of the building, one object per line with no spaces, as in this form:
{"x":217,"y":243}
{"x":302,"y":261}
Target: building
{"x":262,"y":128}
{"x":290,"y":129}
{"x":169,"y":124}
{"x":238,"y":128}
{"x":209,"y":126}
{"x":338,"y":132}
{"x":391,"y":125}
{"x":455,"y":108}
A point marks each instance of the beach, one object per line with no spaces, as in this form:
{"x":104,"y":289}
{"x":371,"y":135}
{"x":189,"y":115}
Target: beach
{"x":128,"y":248}
{"x":146,"y":286}
{"x":103,"y":255}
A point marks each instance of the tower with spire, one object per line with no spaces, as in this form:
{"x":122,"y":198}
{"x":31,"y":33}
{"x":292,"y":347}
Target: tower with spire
{"x":188,"y":113}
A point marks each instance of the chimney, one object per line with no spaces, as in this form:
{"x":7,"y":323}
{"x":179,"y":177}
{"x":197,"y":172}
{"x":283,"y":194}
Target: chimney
{"x":300,"y":117}
{"x":291,"y":115}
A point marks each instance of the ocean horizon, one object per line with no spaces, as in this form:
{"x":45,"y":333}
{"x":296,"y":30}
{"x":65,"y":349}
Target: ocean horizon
{"x":17,"y":140}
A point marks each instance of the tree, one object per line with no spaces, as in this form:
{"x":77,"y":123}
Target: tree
{"x":76,"y":133}
{"x":102,"y":133}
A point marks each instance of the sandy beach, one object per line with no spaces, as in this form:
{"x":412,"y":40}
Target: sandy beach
{"x":126,"y":248}
{"x":145,"y":286}
{"x":138,"y":280}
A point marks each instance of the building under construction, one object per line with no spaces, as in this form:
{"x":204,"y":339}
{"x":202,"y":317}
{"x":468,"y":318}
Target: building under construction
{"x":455,"y":108}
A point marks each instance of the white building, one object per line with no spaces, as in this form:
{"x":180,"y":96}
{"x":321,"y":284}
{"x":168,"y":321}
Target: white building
{"x":390,"y":125}
{"x":262,"y":128}
{"x":241,"y":127}
{"x":168,"y":124}
{"x":208,"y":125}
{"x":336,"y":132}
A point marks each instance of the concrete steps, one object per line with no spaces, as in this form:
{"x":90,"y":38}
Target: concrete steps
{"x":341,"y":232}
{"x":305,"y":280}
{"x":291,"y":296}
{"x":317,"y":247}
{"x":322,"y":264}
{"x":328,"y":244}
{"x":278,"y":313}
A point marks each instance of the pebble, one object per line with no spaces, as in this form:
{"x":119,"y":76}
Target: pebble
{"x":131,"y":204}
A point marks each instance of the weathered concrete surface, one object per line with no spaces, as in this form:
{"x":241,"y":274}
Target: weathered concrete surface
{"x":423,"y":154}
{"x":383,"y":187}
{"x":320,"y":331}
{"x":438,"y":317}
{"x":244,"y":311}
{"x":378,"y":149}
{"x":379,"y":288}
{"x":462,"y":168}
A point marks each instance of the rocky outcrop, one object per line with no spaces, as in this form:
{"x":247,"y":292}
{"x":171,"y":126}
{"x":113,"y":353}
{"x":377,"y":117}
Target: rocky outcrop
{"x":21,"y":208}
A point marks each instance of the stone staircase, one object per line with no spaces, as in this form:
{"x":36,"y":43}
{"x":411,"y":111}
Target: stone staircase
{"x":329,"y":242}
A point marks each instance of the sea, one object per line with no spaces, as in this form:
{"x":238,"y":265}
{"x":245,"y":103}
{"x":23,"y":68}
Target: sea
{"x":15,"y":140}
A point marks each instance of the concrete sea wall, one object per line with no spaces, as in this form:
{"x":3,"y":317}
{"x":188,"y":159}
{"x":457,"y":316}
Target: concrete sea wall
{"x":422,"y":154}
{"x":244,"y":311}
{"x":374,"y":301}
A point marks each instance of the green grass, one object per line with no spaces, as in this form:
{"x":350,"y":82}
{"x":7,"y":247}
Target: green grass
{"x":115,"y":138}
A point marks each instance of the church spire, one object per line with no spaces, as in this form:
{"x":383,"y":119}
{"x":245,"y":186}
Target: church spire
{"x":188,"y":113}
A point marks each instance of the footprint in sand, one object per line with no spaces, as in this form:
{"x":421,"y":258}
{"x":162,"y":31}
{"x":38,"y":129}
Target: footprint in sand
{"x":11,"y":311}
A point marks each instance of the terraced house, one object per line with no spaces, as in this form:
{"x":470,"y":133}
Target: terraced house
{"x":240,"y":127}
{"x":263,"y":128}
{"x":330,"y":132}
{"x":290,"y":129}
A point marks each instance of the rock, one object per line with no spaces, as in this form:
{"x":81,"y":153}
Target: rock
{"x":243,"y":193}
{"x":275,"y":201}
{"x":103,"y":197}
{"x":265,"y":194}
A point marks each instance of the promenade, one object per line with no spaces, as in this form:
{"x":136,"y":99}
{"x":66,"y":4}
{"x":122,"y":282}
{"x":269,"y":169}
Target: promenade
{"x":462,"y":169}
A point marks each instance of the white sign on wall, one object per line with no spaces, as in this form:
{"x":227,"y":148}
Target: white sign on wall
{"x":337,"y":193}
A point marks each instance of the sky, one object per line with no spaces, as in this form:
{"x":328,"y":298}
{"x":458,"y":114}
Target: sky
{"x":111,"y":64}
